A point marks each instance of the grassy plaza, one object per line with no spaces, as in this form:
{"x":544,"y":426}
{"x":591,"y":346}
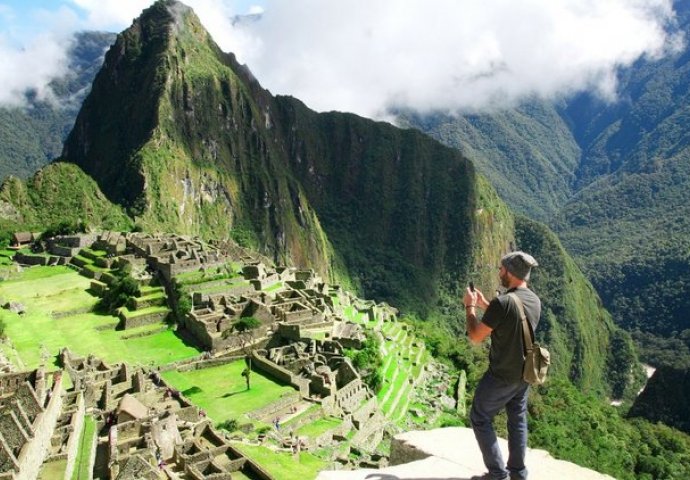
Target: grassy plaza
{"x":58,"y":314}
{"x":222,"y":392}
{"x":284,"y":465}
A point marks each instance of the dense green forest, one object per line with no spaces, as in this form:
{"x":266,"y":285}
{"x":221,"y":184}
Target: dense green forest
{"x":579,"y":428}
{"x":528,"y":153}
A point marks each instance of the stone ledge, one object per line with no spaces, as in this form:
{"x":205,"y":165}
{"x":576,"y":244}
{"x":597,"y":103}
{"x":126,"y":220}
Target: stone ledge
{"x":452,"y":454}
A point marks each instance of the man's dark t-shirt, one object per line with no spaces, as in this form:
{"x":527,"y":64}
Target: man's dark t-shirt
{"x":506,"y":357}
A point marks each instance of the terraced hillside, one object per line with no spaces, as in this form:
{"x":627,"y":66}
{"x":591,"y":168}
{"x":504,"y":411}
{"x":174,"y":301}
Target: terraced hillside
{"x":58,"y":312}
{"x":294,"y":431}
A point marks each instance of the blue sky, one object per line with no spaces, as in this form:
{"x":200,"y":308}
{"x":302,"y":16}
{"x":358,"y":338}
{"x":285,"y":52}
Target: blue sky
{"x":20,"y":20}
{"x":367,"y":56}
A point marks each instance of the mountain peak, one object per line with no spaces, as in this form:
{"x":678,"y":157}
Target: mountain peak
{"x":169,"y":10}
{"x":123,"y":109}
{"x":174,"y":14}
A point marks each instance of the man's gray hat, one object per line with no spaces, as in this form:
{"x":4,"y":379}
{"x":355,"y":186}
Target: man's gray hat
{"x":519,"y":264}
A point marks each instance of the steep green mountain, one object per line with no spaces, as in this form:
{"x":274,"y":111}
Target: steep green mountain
{"x":185,"y":139}
{"x":528,"y":152}
{"x":58,"y":193}
{"x":32,"y":135}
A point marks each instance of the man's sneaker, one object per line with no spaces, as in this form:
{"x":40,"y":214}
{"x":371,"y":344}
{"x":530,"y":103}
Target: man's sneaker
{"x":487,"y":476}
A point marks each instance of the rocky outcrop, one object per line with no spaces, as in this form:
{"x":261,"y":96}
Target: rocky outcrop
{"x":452,"y":454}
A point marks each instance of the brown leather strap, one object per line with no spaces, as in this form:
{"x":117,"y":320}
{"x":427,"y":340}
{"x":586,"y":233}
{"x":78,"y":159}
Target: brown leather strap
{"x":526,"y":332}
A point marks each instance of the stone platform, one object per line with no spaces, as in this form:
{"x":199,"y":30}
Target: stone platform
{"x":452,"y":454}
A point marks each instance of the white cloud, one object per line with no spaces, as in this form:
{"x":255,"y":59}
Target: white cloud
{"x":113,"y":15}
{"x":365,"y":56}
{"x":255,"y":10}
{"x":32,"y":64}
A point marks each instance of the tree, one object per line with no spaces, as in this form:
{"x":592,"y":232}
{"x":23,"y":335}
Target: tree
{"x":120,"y":290}
{"x":64,"y":228}
{"x":183,"y":300}
{"x":368,"y":362}
{"x":245,"y":328}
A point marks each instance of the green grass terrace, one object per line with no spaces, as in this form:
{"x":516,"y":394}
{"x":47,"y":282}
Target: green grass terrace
{"x":222,"y":392}
{"x":404,"y":358}
{"x":284,"y":465}
{"x":200,"y":276}
{"x":59,"y":314}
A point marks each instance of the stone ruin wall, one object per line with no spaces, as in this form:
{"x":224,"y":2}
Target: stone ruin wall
{"x":10,"y":382}
{"x":77,"y":427}
{"x":141,"y":320}
{"x":363,"y":414}
{"x":34,"y":452}
{"x":280,"y":373}
{"x":67,"y":436}
{"x":274,"y":408}
{"x":347,"y":399}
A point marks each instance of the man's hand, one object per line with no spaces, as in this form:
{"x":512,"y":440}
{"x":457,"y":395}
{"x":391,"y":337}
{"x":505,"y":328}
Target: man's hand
{"x":470,"y":298}
{"x":475,"y":298}
{"x":476,"y":330}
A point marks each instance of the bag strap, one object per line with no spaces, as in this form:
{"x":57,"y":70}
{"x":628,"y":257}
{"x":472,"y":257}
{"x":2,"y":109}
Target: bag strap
{"x":526,"y":331}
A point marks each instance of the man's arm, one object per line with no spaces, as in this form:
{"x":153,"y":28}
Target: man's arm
{"x":476,"y":330}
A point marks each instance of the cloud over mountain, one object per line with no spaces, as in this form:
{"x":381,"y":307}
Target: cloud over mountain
{"x":367,"y":57}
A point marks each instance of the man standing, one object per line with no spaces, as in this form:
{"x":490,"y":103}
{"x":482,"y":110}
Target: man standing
{"x":502,"y":385}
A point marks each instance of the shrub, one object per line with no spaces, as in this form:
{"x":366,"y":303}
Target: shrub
{"x":230,"y":425}
{"x":118,"y":293}
{"x":64,"y":228}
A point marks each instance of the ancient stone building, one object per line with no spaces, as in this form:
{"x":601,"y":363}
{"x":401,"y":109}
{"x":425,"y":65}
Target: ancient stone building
{"x":29,"y":411}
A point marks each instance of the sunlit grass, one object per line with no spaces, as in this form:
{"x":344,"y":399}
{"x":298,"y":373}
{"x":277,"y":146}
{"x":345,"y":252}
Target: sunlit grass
{"x":45,"y":291}
{"x":318,"y":427}
{"x":81,"y":467}
{"x":222,"y":392}
{"x":284,"y":465}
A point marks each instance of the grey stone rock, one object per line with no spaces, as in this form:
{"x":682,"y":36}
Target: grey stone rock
{"x":15,"y":307}
{"x":452,"y":453}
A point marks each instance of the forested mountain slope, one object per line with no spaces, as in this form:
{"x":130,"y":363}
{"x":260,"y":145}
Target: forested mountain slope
{"x":528,"y":152}
{"x":629,"y":222}
{"x":32,"y":135}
